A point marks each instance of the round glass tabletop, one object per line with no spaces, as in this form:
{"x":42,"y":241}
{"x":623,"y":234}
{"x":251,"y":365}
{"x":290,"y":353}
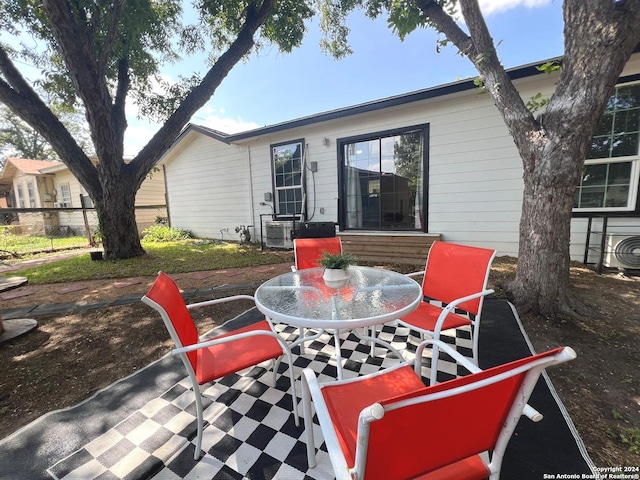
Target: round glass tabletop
{"x":372,"y":296}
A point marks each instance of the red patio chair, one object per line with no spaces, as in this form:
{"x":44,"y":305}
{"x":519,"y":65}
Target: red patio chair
{"x":457,"y":276}
{"x":388,"y":425}
{"x":308,"y":251}
{"x":222,"y":355}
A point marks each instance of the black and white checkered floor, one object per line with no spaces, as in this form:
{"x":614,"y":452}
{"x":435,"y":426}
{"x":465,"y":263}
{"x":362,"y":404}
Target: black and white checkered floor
{"x":249,"y":428}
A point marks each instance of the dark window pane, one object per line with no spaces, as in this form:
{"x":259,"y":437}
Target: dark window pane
{"x":594,"y":175}
{"x":620,"y":173}
{"x":617,"y":196}
{"x":383,"y":184}
{"x":592,"y":197}
{"x":626,"y":121}
{"x":625,"y":145}
{"x":604,"y":125}
{"x":599,"y":147}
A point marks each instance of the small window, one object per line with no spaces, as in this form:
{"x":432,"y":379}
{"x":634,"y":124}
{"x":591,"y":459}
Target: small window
{"x":32,"y":194}
{"x":21,"y":196}
{"x":287,"y":176}
{"x":65,"y":195}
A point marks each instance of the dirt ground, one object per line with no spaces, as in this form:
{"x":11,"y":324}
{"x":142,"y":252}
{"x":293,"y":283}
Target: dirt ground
{"x":71,"y":356}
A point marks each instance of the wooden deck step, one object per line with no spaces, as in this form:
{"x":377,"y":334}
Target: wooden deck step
{"x":402,"y":248}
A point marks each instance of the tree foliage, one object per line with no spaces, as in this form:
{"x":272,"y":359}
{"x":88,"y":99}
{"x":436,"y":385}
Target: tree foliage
{"x":97,"y":55}
{"x":17,"y":139}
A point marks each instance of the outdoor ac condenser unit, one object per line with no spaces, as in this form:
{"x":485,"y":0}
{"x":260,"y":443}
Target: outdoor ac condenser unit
{"x":622,"y":251}
{"x":278,"y":234}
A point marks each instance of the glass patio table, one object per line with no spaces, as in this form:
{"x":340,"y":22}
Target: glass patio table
{"x":371,"y":297}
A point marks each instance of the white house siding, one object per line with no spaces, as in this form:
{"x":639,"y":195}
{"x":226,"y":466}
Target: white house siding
{"x":208,"y":188}
{"x":69,"y":220}
{"x":475,"y":172}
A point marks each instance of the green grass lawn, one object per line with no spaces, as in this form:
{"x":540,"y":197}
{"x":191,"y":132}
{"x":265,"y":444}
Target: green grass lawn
{"x":26,"y":244}
{"x":171,"y":257}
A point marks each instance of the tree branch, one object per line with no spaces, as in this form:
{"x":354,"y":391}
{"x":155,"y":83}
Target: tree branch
{"x":118,"y":111}
{"x":446,"y":25}
{"x":480,"y":50}
{"x":112,"y":32}
{"x":25,"y":102}
{"x":164,"y":138}
{"x":85,"y":73}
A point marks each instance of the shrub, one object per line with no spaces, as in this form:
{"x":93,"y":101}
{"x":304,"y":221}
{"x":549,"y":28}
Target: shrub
{"x":161,"y":233}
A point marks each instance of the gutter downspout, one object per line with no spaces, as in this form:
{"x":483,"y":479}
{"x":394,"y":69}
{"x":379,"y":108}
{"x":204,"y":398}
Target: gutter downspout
{"x":251,"y":193}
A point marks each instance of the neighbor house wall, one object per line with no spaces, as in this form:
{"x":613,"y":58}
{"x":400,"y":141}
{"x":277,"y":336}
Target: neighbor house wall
{"x":475,"y":174}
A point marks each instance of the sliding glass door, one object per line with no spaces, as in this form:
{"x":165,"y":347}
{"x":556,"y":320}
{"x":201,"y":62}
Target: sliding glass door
{"x":383,"y":180}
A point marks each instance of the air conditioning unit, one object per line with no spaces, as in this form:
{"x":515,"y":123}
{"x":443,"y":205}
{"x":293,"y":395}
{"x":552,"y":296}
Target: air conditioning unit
{"x":278,"y":234}
{"x":622,"y":251}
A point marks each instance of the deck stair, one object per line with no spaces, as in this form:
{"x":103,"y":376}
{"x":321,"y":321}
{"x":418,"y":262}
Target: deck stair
{"x":402,"y":248}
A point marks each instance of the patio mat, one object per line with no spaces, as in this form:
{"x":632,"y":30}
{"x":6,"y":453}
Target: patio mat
{"x":248,"y":437}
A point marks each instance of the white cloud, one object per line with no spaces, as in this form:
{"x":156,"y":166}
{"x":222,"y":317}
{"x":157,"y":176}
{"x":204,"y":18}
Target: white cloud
{"x":225,"y":124}
{"x":490,"y":7}
{"x":493,"y":7}
{"x":217,"y":119}
{"x":140,"y":131}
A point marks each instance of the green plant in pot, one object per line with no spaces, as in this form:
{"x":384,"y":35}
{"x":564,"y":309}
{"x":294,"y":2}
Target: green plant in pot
{"x":336,"y":268}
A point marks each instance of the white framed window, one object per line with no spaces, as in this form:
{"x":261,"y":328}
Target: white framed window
{"x":32,"y":194}
{"x":20,"y":196}
{"x":287,"y":160}
{"x":65,"y":195}
{"x":611,"y":172}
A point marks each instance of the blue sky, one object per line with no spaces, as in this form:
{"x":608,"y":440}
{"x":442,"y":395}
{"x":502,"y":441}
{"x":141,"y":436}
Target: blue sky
{"x":273,"y":87}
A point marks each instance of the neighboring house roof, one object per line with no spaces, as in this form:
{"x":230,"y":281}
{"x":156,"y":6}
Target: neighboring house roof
{"x":26,"y":166}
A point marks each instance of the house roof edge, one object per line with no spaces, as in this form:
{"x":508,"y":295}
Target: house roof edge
{"x":401,"y":99}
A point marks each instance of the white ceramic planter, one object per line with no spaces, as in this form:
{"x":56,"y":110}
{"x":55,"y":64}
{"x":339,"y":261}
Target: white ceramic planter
{"x":336,"y":277}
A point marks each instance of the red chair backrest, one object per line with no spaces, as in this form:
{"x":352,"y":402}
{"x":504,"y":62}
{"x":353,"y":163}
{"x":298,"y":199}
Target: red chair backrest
{"x":454,"y":271}
{"x":166,"y":294}
{"x":426,"y":436}
{"x":309,"y":250}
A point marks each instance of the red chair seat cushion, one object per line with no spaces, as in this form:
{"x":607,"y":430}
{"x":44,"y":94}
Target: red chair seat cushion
{"x":226,"y":358}
{"x":426,"y":315}
{"x":472,"y":468}
{"x":345,"y":401}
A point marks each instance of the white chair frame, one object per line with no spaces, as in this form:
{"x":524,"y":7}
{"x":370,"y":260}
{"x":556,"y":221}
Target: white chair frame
{"x":312,"y":391}
{"x":181,"y":351}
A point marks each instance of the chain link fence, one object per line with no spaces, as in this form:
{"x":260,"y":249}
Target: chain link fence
{"x":33,"y":230}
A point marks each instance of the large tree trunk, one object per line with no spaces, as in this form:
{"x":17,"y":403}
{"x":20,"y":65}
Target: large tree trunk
{"x":600,"y":36}
{"x":117,"y":219}
{"x":542,"y":278}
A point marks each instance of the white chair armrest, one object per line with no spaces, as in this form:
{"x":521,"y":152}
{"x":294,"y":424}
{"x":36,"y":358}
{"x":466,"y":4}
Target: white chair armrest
{"x":450,"y":306}
{"x":220,"y":300}
{"x":463,"y":361}
{"x":231,"y":338}
{"x":313,"y":392}
{"x":529,"y":411}
{"x":414,"y":274}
